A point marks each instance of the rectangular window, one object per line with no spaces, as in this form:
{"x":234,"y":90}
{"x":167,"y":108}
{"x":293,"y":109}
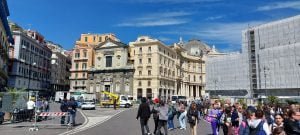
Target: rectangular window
{"x":140,"y":72}
{"x":100,"y":39}
{"x":149,"y":83}
{"x":149,"y":72}
{"x":76,"y":75}
{"x":76,"y":66}
{"x":108,"y":61}
{"x":84,"y":66}
{"x":84,"y":54}
{"x":141,"y":50}
{"x":140,"y":83}
{"x":149,"y":49}
{"x":83,"y":74}
{"x":140,"y":61}
{"x":85,"y":39}
{"x":77,"y":55}
{"x":149,"y":60}
{"x":94,"y":38}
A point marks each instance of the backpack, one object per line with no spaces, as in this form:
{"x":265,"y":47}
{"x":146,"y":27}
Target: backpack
{"x":259,"y":130}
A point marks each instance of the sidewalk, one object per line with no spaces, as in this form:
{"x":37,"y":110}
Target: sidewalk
{"x":48,"y":127}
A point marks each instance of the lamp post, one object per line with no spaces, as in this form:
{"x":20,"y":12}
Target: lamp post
{"x":215,"y":81}
{"x":29,"y":77}
{"x":265,"y":75}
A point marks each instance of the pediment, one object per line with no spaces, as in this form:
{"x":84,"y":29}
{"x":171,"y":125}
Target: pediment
{"x":108,"y":44}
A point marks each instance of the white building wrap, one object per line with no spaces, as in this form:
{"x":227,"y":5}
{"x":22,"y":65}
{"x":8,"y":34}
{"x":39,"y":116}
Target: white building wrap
{"x":268,"y":65}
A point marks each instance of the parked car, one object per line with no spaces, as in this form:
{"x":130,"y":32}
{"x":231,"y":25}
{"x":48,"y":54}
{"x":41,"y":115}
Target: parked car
{"x":88,"y":104}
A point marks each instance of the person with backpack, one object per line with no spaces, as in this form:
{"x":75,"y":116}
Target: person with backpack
{"x":171,"y":113}
{"x":72,"y":105}
{"x":258,"y":126}
{"x":144,"y":115}
{"x":193,"y":118}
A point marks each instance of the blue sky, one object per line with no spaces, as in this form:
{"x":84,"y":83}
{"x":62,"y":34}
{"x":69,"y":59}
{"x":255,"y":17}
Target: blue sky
{"x":216,"y":22}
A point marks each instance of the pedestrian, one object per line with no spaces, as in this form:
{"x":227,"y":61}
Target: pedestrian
{"x":182,"y":117}
{"x":171,"y":113}
{"x":278,"y":123}
{"x":46,"y":107}
{"x":226,"y":121}
{"x":163,"y":117}
{"x":30,"y":108}
{"x":63,"y":108}
{"x":72,"y":105}
{"x":213,"y":115}
{"x":155,"y":115}
{"x":291,"y":125}
{"x":193,"y":118}
{"x":115,"y":103}
{"x":144,"y":115}
{"x":258,"y":125}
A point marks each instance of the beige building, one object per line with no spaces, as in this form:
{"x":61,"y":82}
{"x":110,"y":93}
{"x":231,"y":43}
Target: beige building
{"x":60,"y":68}
{"x":111,"y":71}
{"x":191,"y":67}
{"x":83,"y":59}
{"x":154,"y":65}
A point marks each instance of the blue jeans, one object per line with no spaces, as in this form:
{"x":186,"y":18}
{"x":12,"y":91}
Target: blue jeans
{"x":170,"y":122}
{"x":182,"y":120}
{"x":72,"y":118}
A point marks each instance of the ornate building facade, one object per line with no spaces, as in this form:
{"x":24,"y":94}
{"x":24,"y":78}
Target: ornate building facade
{"x":111,"y":71}
{"x":83,"y":59}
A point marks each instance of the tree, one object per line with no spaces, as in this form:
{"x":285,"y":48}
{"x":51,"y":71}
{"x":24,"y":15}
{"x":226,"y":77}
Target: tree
{"x":273,"y":100}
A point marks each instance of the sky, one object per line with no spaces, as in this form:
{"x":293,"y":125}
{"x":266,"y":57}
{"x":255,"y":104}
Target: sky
{"x":215,"y":22}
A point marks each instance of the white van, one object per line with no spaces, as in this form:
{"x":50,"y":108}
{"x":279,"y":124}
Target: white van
{"x":175,"y":98}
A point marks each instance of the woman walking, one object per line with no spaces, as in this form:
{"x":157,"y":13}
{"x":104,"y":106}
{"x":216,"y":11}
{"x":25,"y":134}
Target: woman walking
{"x":193,"y":119}
{"x":182,"y":117}
{"x":213,"y":114}
{"x":144,"y":115}
{"x":163,"y":117}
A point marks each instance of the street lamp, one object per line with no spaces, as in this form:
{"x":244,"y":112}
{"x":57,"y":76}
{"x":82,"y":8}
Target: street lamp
{"x":215,"y":81}
{"x":29,"y":77}
{"x":265,"y":75}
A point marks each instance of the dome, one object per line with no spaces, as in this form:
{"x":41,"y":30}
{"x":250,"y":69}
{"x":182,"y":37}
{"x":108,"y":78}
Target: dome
{"x":196,"y":48}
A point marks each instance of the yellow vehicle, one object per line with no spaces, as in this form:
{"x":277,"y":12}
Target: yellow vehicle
{"x":121,"y":100}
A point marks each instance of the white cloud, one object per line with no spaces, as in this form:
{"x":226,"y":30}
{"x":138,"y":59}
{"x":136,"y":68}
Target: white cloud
{"x":229,"y":34}
{"x":214,"y":18}
{"x":157,"y":19}
{"x":280,"y":5}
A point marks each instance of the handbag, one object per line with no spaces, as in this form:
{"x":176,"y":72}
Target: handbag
{"x":209,"y":119}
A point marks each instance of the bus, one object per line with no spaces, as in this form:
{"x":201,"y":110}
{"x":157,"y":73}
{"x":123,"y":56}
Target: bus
{"x":176,"y":98}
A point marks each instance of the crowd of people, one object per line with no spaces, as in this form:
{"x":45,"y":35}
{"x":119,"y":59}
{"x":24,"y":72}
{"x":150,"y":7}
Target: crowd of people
{"x":229,"y":118}
{"x":39,"y":105}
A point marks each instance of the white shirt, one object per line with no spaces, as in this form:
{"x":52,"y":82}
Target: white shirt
{"x":30,"y":105}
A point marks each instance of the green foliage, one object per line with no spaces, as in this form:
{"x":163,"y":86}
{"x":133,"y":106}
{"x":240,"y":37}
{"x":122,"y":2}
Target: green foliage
{"x":273,"y":100}
{"x":14,"y":92}
{"x":241,"y":101}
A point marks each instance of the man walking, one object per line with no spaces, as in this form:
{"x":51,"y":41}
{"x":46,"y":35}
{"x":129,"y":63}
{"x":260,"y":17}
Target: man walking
{"x":63,"y":108}
{"x":144,"y":115}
